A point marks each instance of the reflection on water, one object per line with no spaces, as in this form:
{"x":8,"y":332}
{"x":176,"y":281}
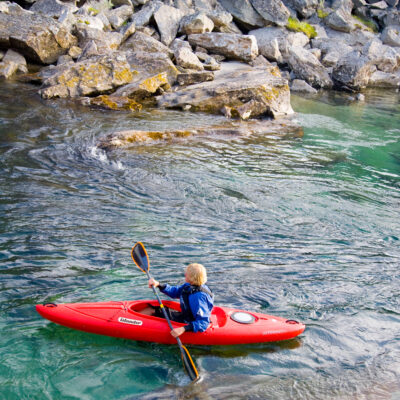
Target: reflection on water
{"x":306,"y":228}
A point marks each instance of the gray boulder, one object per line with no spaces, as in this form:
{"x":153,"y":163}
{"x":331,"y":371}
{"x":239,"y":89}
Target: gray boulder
{"x":331,"y":46}
{"x":340,"y":20}
{"x":168,"y":19}
{"x":345,"y":5}
{"x":11,"y":64}
{"x":301,"y":86}
{"x":331,"y":59}
{"x":391,"y":35}
{"x":307,"y":67}
{"x":118,"y":16}
{"x":209,"y":62}
{"x":243,"y":12}
{"x":7,"y":7}
{"x":239,"y":90}
{"x":151,"y":64}
{"x":306,"y":8}
{"x":233,"y":46}
{"x":184,"y":56}
{"x":220,"y":18}
{"x":192,"y":77}
{"x":353,"y":71}
{"x":380,"y":5}
{"x":89,"y":77}
{"x":275,"y":43}
{"x":105,"y":41}
{"x":130,"y":3}
{"x":392,"y":17}
{"x":196,"y":23}
{"x":127,"y":31}
{"x":384,"y":80}
{"x":142,"y":17}
{"x":52,"y":8}
{"x":140,"y":42}
{"x":273,"y":11}
{"x":37,"y":37}
{"x":144,"y":86}
{"x":386,"y":58}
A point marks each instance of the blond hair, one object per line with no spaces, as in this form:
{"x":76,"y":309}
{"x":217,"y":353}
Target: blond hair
{"x":196,"y":274}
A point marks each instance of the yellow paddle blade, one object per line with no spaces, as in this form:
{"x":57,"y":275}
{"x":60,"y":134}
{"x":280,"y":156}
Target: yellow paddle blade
{"x":140,"y":257}
{"x":189,"y":364}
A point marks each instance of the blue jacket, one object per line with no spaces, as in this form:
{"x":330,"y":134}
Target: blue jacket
{"x":200,"y":304}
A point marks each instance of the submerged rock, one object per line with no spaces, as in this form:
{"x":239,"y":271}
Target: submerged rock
{"x":285,"y":128}
{"x":244,"y":91}
{"x":112,"y":103}
{"x":233,"y":46}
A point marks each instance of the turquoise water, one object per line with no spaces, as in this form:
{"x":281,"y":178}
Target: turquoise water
{"x":302,"y":228}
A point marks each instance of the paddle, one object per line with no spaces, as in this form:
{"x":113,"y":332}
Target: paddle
{"x":141,"y":259}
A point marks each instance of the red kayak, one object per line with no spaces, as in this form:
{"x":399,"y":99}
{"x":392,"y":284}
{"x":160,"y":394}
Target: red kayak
{"x":133,"y":320}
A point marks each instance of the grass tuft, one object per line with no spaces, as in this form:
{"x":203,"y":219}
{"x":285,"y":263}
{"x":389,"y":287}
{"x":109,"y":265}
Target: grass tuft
{"x":295,"y":25}
{"x":369,"y":25}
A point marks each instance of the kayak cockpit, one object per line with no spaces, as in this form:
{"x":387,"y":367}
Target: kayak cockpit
{"x":218,"y":315}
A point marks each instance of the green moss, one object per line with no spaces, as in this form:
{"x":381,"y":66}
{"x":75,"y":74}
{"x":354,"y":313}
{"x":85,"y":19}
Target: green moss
{"x":93,"y":11}
{"x":295,"y":25}
{"x":366,"y":24}
{"x":322,"y":13}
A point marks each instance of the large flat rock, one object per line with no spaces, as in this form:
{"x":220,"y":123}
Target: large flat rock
{"x":237,"y":90}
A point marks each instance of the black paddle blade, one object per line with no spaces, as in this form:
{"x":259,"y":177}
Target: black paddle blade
{"x":140,"y":257}
{"x":189,"y":364}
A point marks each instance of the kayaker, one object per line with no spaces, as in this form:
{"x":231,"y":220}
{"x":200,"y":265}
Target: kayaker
{"x":195,"y":297}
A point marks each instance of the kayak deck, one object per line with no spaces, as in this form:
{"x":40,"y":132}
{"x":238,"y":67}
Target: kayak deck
{"x":133,"y":320}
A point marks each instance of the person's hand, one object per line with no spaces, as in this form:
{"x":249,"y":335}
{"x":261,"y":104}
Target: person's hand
{"x":153,"y":282}
{"x":177,"y":331}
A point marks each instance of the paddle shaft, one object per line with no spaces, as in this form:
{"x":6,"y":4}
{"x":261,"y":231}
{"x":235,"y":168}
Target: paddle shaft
{"x":164,"y":311}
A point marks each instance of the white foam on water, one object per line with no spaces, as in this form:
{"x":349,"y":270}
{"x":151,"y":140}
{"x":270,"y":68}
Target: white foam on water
{"x":101,"y":155}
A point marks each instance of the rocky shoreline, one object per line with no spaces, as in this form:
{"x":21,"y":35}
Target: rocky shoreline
{"x":240,"y":58}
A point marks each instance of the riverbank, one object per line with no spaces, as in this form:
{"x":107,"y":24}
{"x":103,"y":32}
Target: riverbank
{"x":176,"y":54}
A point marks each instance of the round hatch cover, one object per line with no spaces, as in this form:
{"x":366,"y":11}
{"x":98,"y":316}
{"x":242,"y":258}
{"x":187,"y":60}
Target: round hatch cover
{"x":243,"y":317}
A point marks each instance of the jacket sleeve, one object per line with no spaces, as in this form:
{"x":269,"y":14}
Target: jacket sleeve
{"x":201,"y":308}
{"x":172,"y":291}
